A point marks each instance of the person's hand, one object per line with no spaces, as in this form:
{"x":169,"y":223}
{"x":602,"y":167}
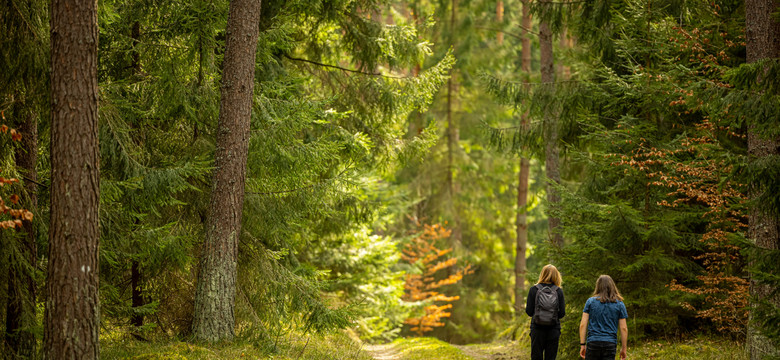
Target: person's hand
{"x":583,"y":348}
{"x":623,"y":354}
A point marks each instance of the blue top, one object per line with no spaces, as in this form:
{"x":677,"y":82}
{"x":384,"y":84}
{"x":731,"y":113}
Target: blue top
{"x":603,"y":319}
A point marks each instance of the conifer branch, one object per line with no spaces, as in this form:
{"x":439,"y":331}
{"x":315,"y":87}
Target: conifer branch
{"x":506,"y":32}
{"x":343,"y":68}
{"x":302,"y":187}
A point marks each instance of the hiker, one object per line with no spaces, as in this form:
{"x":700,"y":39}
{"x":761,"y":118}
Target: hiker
{"x":604,"y":313}
{"x":546,"y":306}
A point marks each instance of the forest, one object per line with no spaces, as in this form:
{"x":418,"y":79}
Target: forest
{"x":386,"y":179}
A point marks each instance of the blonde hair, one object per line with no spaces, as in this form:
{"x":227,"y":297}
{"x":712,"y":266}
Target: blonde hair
{"x":606,"y":290}
{"x":550,"y":275}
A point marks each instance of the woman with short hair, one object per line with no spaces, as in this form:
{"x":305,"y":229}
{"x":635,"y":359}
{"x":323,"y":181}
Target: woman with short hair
{"x":603,"y":315}
{"x":546,"y":328}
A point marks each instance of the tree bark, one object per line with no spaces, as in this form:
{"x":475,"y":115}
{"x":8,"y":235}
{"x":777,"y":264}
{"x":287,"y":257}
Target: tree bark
{"x":20,"y":312}
{"x":551,"y":154}
{"x":214,"y":317}
{"x":763,"y":41}
{"x":72,"y":308}
{"x":522,"y":185}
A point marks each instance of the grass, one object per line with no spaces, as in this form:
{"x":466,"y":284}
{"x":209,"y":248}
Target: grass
{"x":700,"y":348}
{"x":333,"y":346}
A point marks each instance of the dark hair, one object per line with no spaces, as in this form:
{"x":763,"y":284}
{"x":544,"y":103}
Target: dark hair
{"x":606,"y":290}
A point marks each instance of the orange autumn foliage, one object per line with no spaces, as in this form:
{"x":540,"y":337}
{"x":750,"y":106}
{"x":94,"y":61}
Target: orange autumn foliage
{"x":16,"y":215}
{"x":423,"y":252}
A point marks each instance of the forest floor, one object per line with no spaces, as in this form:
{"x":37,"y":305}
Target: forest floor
{"x":342,"y":347}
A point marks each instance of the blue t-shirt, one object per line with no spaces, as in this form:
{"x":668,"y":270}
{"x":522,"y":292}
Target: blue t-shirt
{"x":603,"y":319}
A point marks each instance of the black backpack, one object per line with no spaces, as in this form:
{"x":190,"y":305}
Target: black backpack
{"x":546,"y":310}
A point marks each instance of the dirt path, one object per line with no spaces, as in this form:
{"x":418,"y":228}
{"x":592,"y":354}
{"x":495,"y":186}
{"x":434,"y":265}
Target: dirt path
{"x":491,"y":351}
{"x":495,"y":351}
{"x":383,"y":352}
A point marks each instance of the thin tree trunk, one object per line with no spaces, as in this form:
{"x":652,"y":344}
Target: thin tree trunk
{"x":453,"y":137}
{"x":71,"y":322}
{"x":500,"y":21}
{"x":522,"y":184}
{"x":20,"y":313}
{"x":565,"y":43}
{"x":137,"y":300}
{"x":214,"y":317}
{"x":551,"y":154}
{"x":763,"y":41}
{"x":522,"y":235}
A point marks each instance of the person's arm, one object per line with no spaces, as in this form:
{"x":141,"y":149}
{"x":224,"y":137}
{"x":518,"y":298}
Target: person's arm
{"x":561,"y":304}
{"x":530,"y":302}
{"x":583,"y":333}
{"x":623,"y":339}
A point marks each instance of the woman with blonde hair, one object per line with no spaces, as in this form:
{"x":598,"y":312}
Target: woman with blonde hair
{"x":546,"y":306}
{"x":604,"y":313}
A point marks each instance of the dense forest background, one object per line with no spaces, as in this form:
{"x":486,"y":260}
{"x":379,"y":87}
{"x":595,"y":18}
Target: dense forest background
{"x":393,"y":168}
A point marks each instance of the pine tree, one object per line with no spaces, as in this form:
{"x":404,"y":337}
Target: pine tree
{"x":72,"y":306}
{"x":551,"y":151}
{"x":214,"y":317}
{"x":522,"y":184}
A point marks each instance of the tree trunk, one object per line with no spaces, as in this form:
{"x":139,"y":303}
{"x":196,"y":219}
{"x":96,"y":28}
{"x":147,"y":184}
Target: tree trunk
{"x":20,"y":312}
{"x":137,"y":298}
{"x":522,"y":184}
{"x":500,"y":21}
{"x":551,"y":157}
{"x":71,"y":323}
{"x":214,"y":318}
{"x":522,"y":235}
{"x":763,"y":41}
{"x":453,"y":137}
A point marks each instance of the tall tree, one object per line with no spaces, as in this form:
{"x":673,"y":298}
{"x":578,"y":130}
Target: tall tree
{"x":71,"y":323}
{"x":550,"y":123}
{"x":453,"y":136}
{"x":214,"y":317}
{"x":525,"y":166}
{"x":762,"y":42}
